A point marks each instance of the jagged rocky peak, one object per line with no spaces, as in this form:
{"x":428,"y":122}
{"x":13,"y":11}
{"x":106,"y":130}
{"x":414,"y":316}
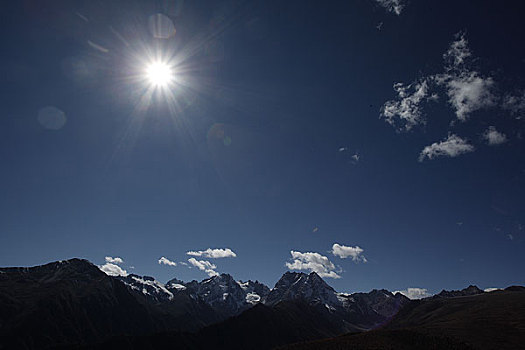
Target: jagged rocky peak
{"x":470,"y":290}
{"x":377,"y":301}
{"x":148,"y":286}
{"x":309,"y":287}
{"x":221,"y":292}
{"x":175,"y":285}
{"x":255,"y":291}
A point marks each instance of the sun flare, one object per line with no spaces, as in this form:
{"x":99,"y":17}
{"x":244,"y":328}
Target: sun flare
{"x":159,"y":74}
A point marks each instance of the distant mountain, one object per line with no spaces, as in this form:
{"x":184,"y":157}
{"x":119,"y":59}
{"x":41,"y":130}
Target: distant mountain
{"x":227,"y":296}
{"x":148,"y":286}
{"x":484,"y":321}
{"x":359,"y":311}
{"x":72,"y":302}
{"x":300,"y":286}
{"x":470,"y":290}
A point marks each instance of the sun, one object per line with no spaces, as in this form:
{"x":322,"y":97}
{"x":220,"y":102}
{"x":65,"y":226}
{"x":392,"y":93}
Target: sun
{"x":159,"y":74}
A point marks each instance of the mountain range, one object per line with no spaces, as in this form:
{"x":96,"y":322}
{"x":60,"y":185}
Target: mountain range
{"x":73,"y":303}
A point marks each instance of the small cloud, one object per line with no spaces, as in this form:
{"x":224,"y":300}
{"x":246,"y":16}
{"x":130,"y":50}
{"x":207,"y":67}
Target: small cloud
{"x":510,"y":236}
{"x":459,"y":223}
{"x":113,"y":270}
{"x":183,"y":263}
{"x":468,"y":92}
{"x":494,"y":137}
{"x":452,"y":146}
{"x":315,"y":229}
{"x":342,"y":251}
{"x":457,"y":52}
{"x":313,"y":262}
{"x":406,"y":112}
{"x":515,"y":104}
{"x":342,"y":149}
{"x":116,"y":260}
{"x":492,"y":289}
{"x":414,"y":293}
{"x":205,"y":266}
{"x":355,"y":158}
{"x":394,"y":6}
{"x":213,"y":253}
{"x":166,"y":261}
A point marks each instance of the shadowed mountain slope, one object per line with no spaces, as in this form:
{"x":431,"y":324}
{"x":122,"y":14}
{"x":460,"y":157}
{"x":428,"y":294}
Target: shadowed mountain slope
{"x":493,"y":320}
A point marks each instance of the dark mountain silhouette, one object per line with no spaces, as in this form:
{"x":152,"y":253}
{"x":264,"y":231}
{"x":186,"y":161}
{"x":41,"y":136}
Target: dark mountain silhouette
{"x":67,"y":302}
{"x":72,"y":301}
{"x":493,"y":320}
{"x":73,"y":304}
{"x":470,"y":290}
{"x":261,"y":327}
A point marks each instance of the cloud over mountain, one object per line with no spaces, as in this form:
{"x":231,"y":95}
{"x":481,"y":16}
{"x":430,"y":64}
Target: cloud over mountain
{"x":116,"y":260}
{"x":342,"y":251}
{"x":213,"y":253}
{"x":313,"y":262}
{"x":166,"y":261}
{"x":113,"y":270}
{"x":414,"y":293}
{"x":204,"y":265}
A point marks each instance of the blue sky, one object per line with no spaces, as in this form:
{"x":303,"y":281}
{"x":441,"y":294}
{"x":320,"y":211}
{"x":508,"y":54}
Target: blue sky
{"x":391,"y":128}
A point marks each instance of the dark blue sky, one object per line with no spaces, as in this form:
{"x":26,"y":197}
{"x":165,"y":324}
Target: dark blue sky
{"x":282,"y":132}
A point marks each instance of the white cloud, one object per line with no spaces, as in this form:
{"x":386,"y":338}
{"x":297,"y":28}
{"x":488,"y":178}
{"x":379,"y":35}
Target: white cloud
{"x":167,"y":261}
{"x":453,"y":146}
{"x":457,"y":52}
{"x":214,"y":253}
{"x":394,"y":6}
{"x":313,"y":262}
{"x":205,"y":266}
{"x":113,"y":270}
{"x":116,"y":260}
{"x":466,"y":89}
{"x":414,"y":293}
{"x":342,"y":251}
{"x":488,"y":290}
{"x":514,"y":104}
{"x":468,"y":92}
{"x":494,"y":137}
{"x":407,"y":108}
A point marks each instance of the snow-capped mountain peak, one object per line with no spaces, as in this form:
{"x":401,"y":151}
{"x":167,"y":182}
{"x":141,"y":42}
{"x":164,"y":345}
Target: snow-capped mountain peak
{"x":147,"y":286}
{"x":298,"y":285}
